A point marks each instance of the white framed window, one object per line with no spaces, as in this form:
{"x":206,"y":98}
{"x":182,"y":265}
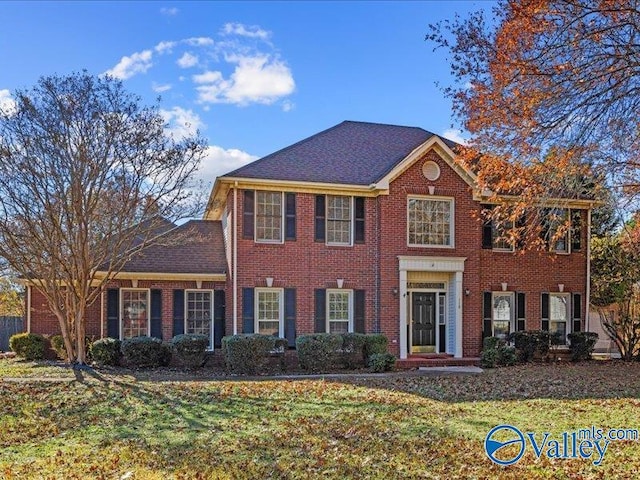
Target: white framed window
{"x":339,"y":220}
{"x":270,"y":311}
{"x":500,"y":237}
{"x":339,"y":311}
{"x":430,"y":222}
{"x":199,"y":314}
{"x":558,"y":233}
{"x":502,"y":313}
{"x":269,"y":216}
{"x":559,"y":314}
{"x":134,"y":312}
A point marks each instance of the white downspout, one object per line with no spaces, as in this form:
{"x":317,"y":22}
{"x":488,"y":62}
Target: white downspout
{"x":235,"y":258}
{"x":28,"y":312}
{"x":102,"y":313}
{"x":587,"y":303}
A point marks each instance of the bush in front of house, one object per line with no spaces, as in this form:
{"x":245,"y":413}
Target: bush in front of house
{"x":106,"y":351}
{"x":145,"y":352}
{"x":496,"y":353}
{"x":319,"y":351}
{"x":353,"y":350}
{"x":382,"y":362}
{"x":530,"y":342}
{"x":30,"y":346}
{"x":190,"y":349}
{"x":57,"y":344}
{"x":374,"y":343}
{"x":250,"y":353}
{"x":582,"y":345}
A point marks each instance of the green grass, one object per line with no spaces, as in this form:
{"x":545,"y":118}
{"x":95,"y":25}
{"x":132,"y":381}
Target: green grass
{"x":111,"y":425}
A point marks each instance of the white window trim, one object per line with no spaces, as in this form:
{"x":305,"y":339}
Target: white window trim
{"x":280,"y":309}
{"x":352,"y":216}
{"x":452,"y":210}
{"x":121,"y":304}
{"x":567,"y":235}
{"x":351,"y":308}
{"x":186,"y":310}
{"x":568,"y":320}
{"x":282,"y":220}
{"x":510,"y":249}
{"x":512,"y":313}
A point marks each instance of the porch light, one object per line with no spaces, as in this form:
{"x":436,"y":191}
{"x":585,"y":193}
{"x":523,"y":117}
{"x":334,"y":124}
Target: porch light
{"x":561,"y":287}
{"x":269,"y":281}
{"x":340,"y":282}
{"x":504,"y":286}
{"x":467,"y":292}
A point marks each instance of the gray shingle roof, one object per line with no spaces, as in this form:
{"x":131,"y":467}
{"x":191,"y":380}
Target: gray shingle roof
{"x":194,"y":247}
{"x":356,"y":153}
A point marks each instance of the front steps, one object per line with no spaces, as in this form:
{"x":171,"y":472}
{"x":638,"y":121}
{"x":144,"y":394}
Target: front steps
{"x":435,"y":360}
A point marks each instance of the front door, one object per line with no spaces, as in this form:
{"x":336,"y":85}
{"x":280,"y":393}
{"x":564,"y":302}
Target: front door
{"x":423,"y":322}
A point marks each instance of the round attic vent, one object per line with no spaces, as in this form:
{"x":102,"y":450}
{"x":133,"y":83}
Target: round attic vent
{"x":431,"y":170}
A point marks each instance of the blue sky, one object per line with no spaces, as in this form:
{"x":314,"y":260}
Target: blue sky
{"x":253,"y":77}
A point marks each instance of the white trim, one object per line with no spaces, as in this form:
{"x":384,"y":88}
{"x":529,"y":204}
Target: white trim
{"x":402,"y":303}
{"x":352,"y":221}
{"x":256,"y":320}
{"x":568,"y":311}
{"x":452,"y":222}
{"x":588,"y":295}
{"x":211,"y":312}
{"x":349,"y":292}
{"x":102,"y":313}
{"x":205,"y":277}
{"x":458,"y":313}
{"x":120,"y":308}
{"x":28,"y":308}
{"x":436,"y":292}
{"x":282,"y":218}
{"x":431,"y":264}
{"x":235,"y":258}
{"x":512,"y":309}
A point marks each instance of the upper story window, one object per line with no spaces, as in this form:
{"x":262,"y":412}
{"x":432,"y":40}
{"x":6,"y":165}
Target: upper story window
{"x":562,"y":229}
{"x":268,"y":216}
{"x":430,"y":222}
{"x":339,"y":219}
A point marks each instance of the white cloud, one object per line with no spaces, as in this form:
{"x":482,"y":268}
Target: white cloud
{"x":288,"y":105}
{"x":160,"y":87}
{"x":138,"y":62}
{"x":187,"y":60}
{"x":207,"y":77}
{"x":455,"y":135}
{"x":258,"y":79}
{"x":7,"y":103}
{"x":169,"y":11}
{"x":241,"y":30}
{"x":165,"y":47}
{"x":181,"y":123}
{"x":218,"y":161}
{"x":199,"y":41}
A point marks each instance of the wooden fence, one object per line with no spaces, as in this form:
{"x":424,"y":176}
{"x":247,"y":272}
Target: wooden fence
{"x":9,"y":326}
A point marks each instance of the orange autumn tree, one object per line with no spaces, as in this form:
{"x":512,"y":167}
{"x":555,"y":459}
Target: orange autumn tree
{"x":550,"y":92}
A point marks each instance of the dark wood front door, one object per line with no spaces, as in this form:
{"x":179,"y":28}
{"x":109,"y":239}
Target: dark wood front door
{"x":423,"y":322}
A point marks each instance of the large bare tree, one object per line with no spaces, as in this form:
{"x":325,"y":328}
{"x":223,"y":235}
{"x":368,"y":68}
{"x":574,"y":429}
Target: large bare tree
{"x":88,"y":176}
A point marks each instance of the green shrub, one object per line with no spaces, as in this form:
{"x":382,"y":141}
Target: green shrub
{"x":250,"y":353}
{"x":382,"y":362}
{"x":496,"y":353}
{"x":529,"y":342}
{"x":57,"y":344}
{"x":190,"y":350}
{"x":353,"y":350}
{"x":145,"y":352}
{"x":319,"y":351}
{"x":582,"y":345}
{"x":30,"y":346}
{"x":374,"y":343}
{"x":106,"y":351}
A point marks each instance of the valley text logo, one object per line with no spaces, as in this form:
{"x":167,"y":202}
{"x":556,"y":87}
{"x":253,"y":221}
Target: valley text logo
{"x":506,"y":444}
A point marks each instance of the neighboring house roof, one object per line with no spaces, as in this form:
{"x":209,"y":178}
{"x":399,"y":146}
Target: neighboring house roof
{"x":356,"y":153}
{"x":196,"y":247}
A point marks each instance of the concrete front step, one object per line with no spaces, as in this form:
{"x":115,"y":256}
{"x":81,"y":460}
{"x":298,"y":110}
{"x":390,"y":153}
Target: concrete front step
{"x":436,"y":361}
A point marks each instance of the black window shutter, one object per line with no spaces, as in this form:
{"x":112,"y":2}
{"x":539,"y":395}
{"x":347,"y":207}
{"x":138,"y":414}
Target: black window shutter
{"x":359,"y":220}
{"x":521,"y":222}
{"x":487,"y":229}
{"x":290,"y":316}
{"x":218,"y":317}
{"x":321,"y":310}
{"x":248,"y":314}
{"x":577,"y":312}
{"x":576,"y":230}
{"x":178,"y":312}
{"x":290,"y":216}
{"x":545,"y":312}
{"x":113,"y":307}
{"x":545,"y":226}
{"x":320,"y":219}
{"x":248,"y":214}
{"x":156,"y":313}
{"x":520,"y":311}
{"x":359,"y":297}
{"x":487,"y":309}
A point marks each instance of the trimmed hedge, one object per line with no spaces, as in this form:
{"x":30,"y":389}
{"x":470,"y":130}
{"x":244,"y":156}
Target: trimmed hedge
{"x":251,"y":353}
{"x":496,"y":353}
{"x":145,"y":352}
{"x":30,"y":346}
{"x":57,"y":344}
{"x":530,"y":342}
{"x":375,"y":343}
{"x":353,"y":350}
{"x":582,"y":345}
{"x":319,"y":351}
{"x":106,"y":351}
{"x":190,"y":349}
{"x":382,"y":362}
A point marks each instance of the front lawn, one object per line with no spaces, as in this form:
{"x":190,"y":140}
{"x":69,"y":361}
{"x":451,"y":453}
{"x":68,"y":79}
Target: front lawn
{"x":108,"y":425}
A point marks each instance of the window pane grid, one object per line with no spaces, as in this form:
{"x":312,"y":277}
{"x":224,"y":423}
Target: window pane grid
{"x":338,"y":219}
{"x":199,"y":314}
{"x":338,"y":312}
{"x":502,"y":314}
{"x":429,"y":222}
{"x":558,"y":315}
{"x":269,"y":313}
{"x":268,"y":216}
{"x":134,"y":313}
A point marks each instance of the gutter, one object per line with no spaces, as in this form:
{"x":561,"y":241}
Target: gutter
{"x":588,"y":296}
{"x":235,"y":258}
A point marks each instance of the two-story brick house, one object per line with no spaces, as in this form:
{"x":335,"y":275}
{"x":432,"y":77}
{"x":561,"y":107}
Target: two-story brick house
{"x":362,"y":227}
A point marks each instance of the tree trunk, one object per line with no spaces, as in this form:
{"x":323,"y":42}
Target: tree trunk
{"x":81,"y":357}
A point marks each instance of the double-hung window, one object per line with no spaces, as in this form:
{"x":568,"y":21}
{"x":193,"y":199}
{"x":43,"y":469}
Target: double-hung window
{"x":430,"y":222}
{"x":502,"y":314}
{"x":134,"y":313}
{"x":559,"y":315}
{"x":199,"y":309}
{"x":269,"y":216}
{"x":339,"y":220}
{"x":269,"y":311}
{"x":339,"y":311}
